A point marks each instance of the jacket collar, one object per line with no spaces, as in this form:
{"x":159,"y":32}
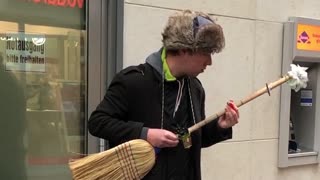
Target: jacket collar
{"x":154,"y":60}
{"x":162,"y":68}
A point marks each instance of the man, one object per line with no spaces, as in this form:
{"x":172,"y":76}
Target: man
{"x":158,"y":100}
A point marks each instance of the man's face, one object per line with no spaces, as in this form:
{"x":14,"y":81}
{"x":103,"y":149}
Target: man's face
{"x":196,"y":63}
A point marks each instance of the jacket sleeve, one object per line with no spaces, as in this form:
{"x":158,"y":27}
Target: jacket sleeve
{"x":109,"y":120}
{"x":212,"y":133}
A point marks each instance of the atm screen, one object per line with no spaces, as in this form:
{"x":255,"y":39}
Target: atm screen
{"x":308,"y":37}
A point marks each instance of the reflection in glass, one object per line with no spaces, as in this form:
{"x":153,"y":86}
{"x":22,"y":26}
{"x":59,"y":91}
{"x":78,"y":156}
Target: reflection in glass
{"x":42,"y":102}
{"x":12,"y":126}
{"x":55,"y":103}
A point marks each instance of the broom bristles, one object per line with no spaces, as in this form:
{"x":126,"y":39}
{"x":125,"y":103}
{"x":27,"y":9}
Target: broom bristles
{"x":130,"y":160}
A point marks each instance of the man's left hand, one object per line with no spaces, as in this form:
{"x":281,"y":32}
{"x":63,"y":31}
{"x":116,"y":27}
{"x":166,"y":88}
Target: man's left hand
{"x":230,"y":117}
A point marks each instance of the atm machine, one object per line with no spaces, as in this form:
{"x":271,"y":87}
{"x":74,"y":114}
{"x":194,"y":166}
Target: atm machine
{"x":299,"y":130}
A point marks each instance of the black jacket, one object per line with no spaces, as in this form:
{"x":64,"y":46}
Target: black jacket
{"x":133,"y":101}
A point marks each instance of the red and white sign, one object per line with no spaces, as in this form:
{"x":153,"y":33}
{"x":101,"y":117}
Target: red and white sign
{"x":60,"y":3}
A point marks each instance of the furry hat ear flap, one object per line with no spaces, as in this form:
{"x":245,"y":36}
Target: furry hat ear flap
{"x":194,"y":31}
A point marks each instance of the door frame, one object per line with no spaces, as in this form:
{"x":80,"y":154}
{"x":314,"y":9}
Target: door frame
{"x":104,"y":54}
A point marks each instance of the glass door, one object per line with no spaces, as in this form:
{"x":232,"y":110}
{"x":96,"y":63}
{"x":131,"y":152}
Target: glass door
{"x":43,"y":88}
{"x":55,"y":99}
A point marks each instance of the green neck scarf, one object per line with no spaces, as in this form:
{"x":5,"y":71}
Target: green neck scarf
{"x":167,"y":74}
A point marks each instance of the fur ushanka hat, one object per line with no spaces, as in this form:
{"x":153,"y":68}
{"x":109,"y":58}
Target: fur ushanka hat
{"x":194,"y":31}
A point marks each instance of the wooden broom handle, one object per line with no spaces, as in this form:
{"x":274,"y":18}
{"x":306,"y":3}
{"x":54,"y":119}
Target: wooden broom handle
{"x":241,"y":102}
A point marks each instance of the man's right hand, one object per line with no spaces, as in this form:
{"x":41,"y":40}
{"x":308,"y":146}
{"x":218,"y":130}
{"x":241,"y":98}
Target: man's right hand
{"x":162,"y":138}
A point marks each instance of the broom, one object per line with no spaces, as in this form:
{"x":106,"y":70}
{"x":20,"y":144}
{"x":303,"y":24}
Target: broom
{"x":296,"y":78}
{"x":131,"y":160}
